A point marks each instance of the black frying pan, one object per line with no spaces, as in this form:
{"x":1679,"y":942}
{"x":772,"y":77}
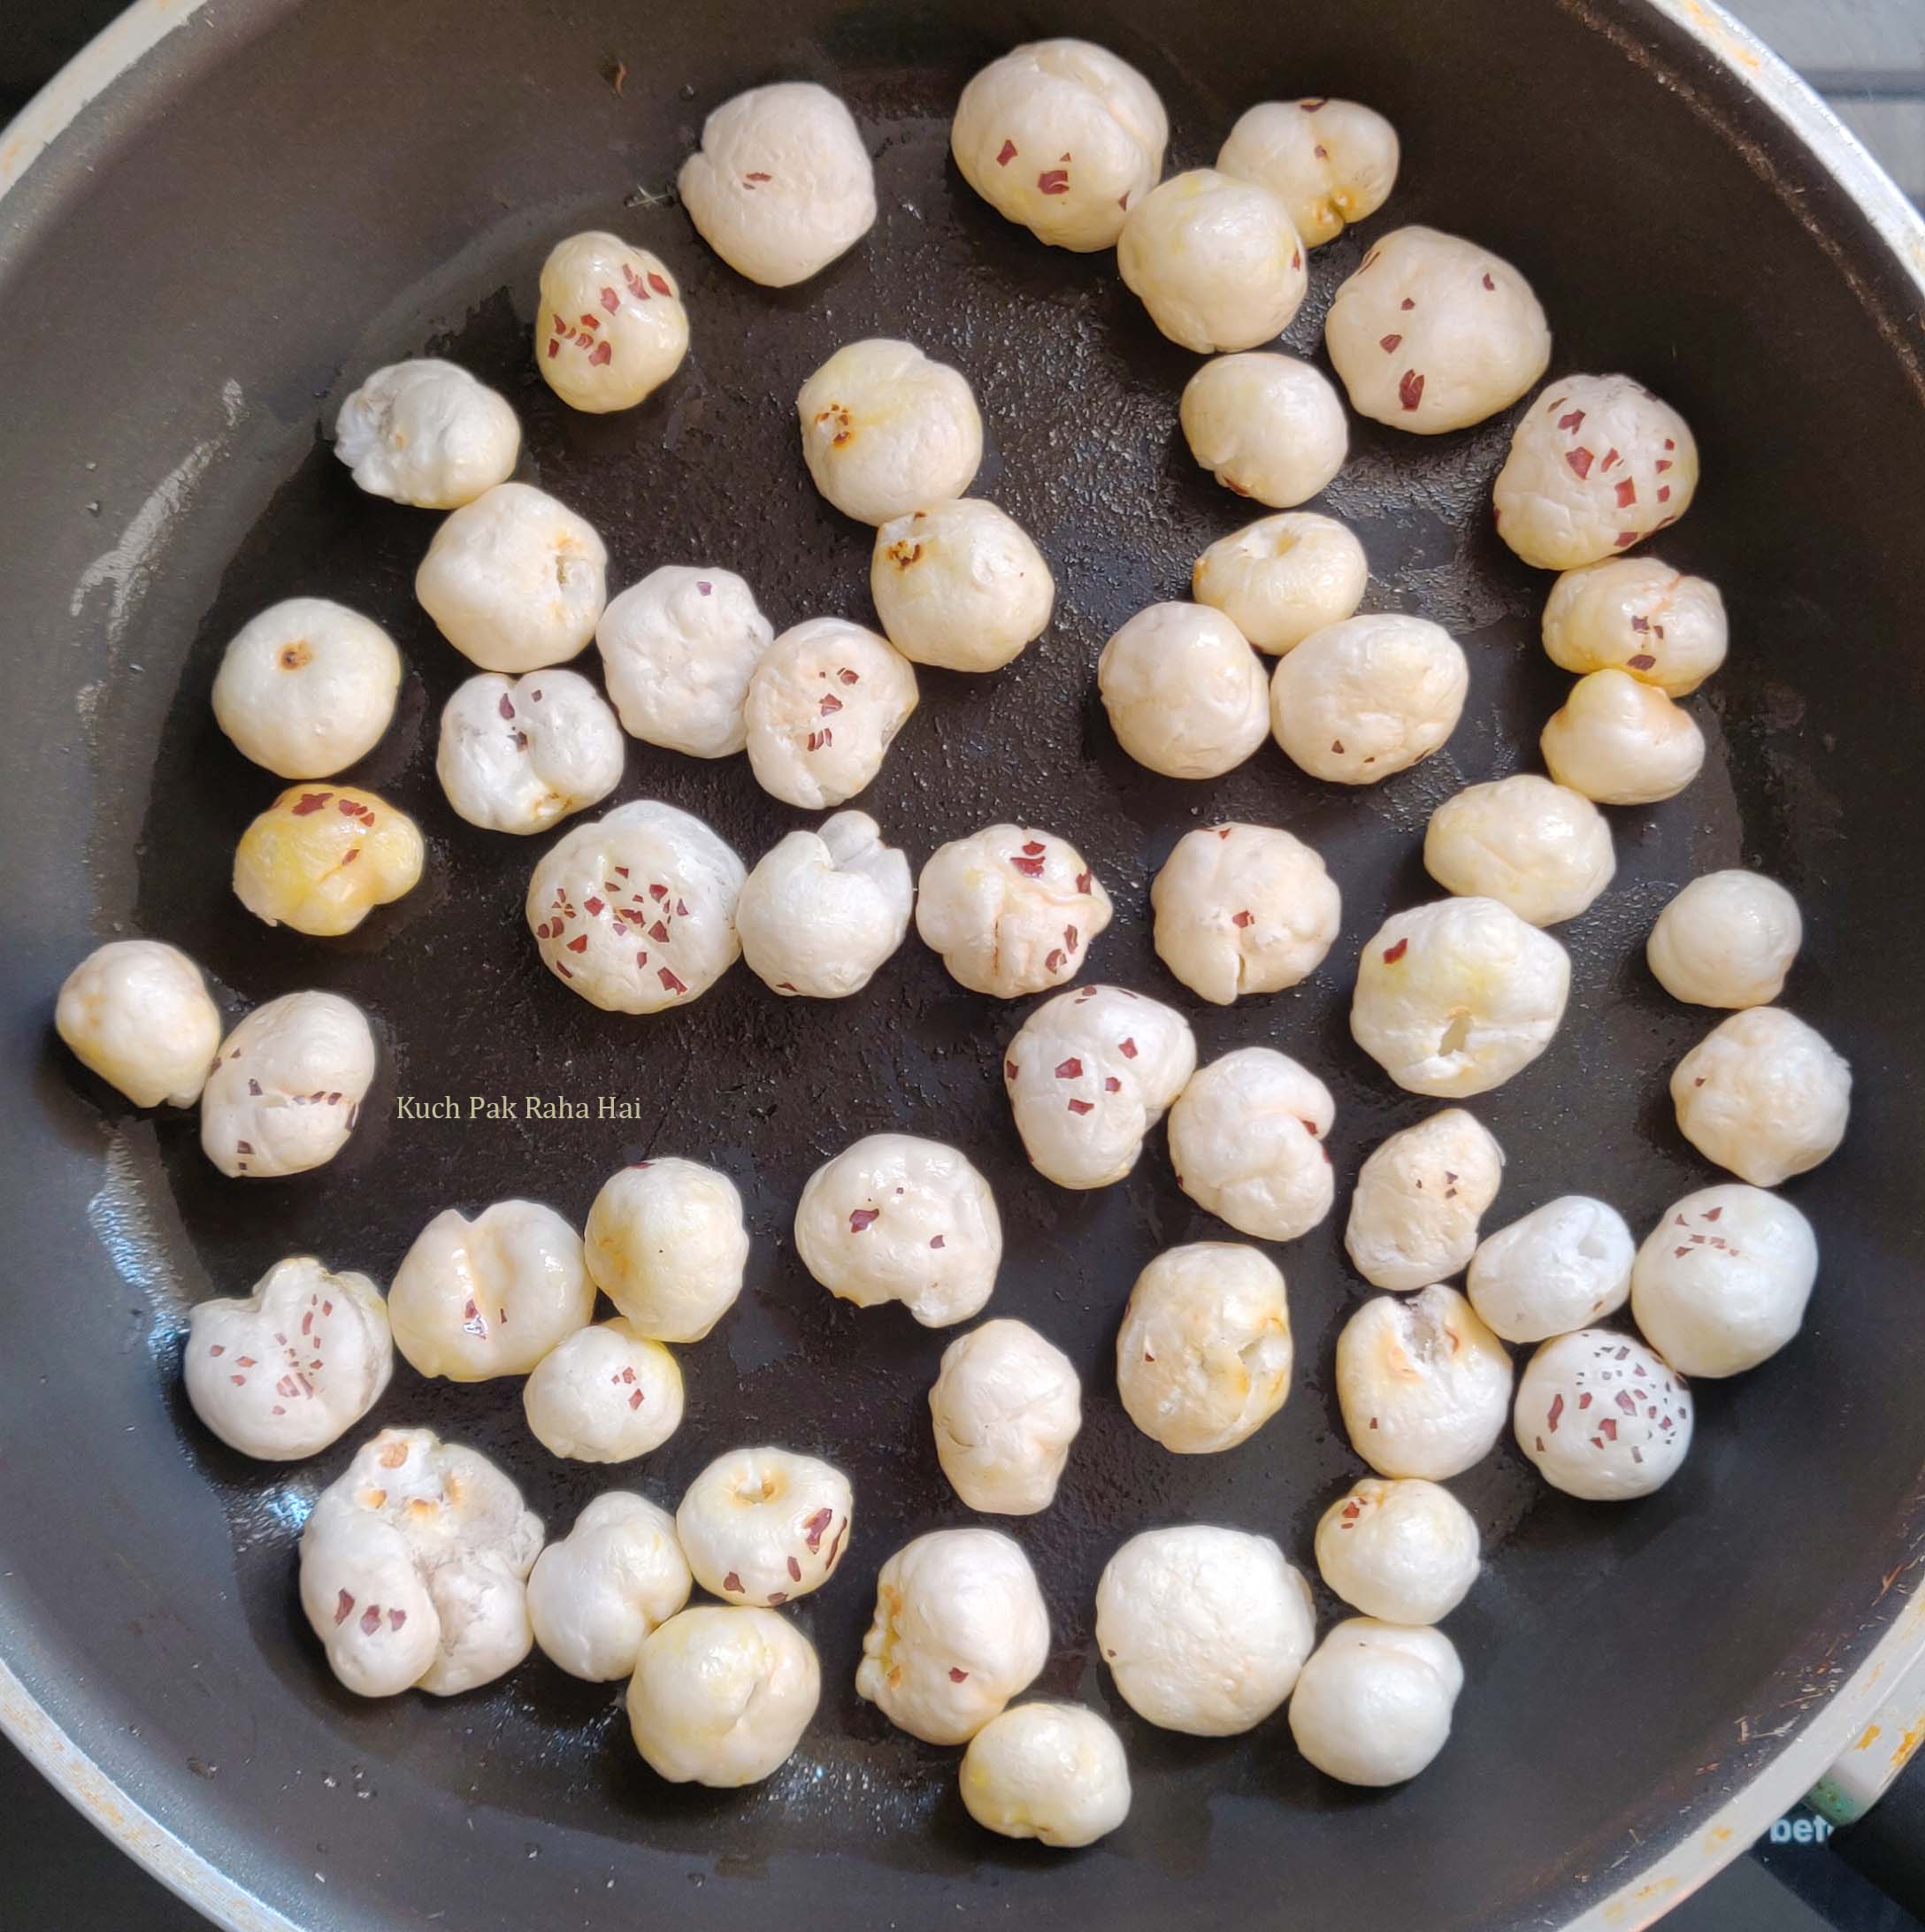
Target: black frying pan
{"x":277,"y":197}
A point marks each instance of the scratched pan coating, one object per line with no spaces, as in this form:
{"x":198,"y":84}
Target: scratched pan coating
{"x":1625,"y":1668}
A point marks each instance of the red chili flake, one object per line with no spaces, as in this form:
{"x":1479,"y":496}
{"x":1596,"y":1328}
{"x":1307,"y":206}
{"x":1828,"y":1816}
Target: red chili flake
{"x":1668,"y":444}
{"x":1580,"y":461}
{"x":1069,"y":1070}
{"x":1664,"y":493}
{"x":1083,"y":882}
{"x":1556,"y":1410}
{"x":1244,"y":918}
{"x":239,"y":1382}
{"x":1627,"y":493}
{"x":1321,"y":152}
{"x":594,"y":907}
{"x":578,"y":944}
{"x":1007,"y":155}
{"x":681,"y":909}
{"x":1388,"y":344}
{"x":219,"y":1348}
{"x":308,"y":801}
{"x":243,"y":1146}
{"x":1712,"y":1214}
{"x":1623,"y":539}
{"x":849,"y":677}
{"x":836,"y":1541}
{"x":937,"y":1240}
{"x":1111,"y":1084}
{"x":659,"y":933}
{"x":1336,"y":745}
{"x":813,"y":1528}
{"x":659,"y":284}
{"x":1392,"y":954}
{"x":1056,"y":961}
{"x":778,"y":1596}
{"x":1662,"y":464}
{"x":1054,"y":181}
{"x":861,"y":1218}
{"x":505,"y":707}
{"x":370,"y":1619}
{"x":1410,"y":389}
{"x":1583,"y":1401}
{"x":1488,"y":283}
{"x":1029,"y":868}
{"x":1296,"y":257}
{"x":344,"y":1607}
{"x":732,"y":1582}
{"x":1009,"y":1069}
{"x":1610,"y":459}
{"x":1608,"y":1428}
{"x":541,"y":930}
{"x":796,"y":1571}
{"x":1353,"y":1510}
{"x":670,"y":983}
{"x":254,"y":1086}
{"x":1128,"y":1049}
{"x":396,"y":1618}
{"x":1311,"y":106}
{"x":958,"y":1676}
{"x":830,"y":705}
{"x":758,"y":176}
{"x":1575,"y":420}
{"x":1643,"y":661}
{"x":591,"y":321}
{"x":1678,"y":1254}
{"x":604,"y":352}
{"x":554,"y":348}
{"x":1068,"y":938}
{"x":1627,"y":1402}
{"x":1082,"y":1106}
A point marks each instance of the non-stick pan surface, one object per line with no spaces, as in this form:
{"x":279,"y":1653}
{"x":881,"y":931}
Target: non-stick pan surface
{"x":288,"y":196}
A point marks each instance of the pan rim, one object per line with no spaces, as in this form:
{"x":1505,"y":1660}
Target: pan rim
{"x":1651,"y":1887}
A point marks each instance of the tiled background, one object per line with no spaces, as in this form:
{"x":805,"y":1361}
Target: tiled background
{"x":1867,"y":58}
